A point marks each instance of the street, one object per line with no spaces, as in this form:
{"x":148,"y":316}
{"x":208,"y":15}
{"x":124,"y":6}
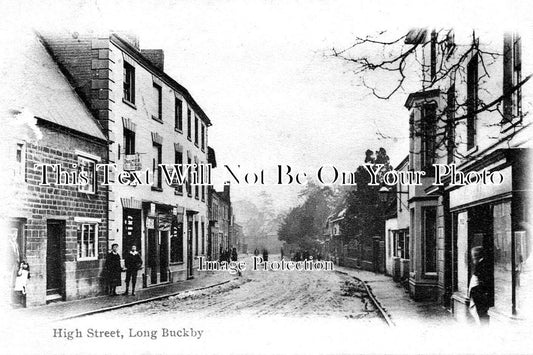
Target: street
{"x":274,"y":293}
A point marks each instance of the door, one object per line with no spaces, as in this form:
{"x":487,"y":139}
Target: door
{"x":55,"y":233}
{"x":163,"y":257}
{"x":152,"y":258}
{"x":189,"y":248}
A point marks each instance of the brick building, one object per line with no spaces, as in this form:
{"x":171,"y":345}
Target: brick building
{"x":60,"y":230}
{"x":150,"y":119}
{"x":220,"y":226}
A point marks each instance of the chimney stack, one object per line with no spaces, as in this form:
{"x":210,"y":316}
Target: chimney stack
{"x":156,"y":57}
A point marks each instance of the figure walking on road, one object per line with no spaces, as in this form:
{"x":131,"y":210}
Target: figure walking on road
{"x":265,"y":255}
{"x":479,"y":287}
{"x":133,"y":263}
{"x":113,"y":270}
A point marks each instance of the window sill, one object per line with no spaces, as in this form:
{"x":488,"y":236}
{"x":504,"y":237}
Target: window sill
{"x":155,"y":188}
{"x":88,"y":192}
{"x":175,"y":263}
{"x":129,"y":103}
{"x":87,"y":259}
{"x":179,"y":193}
{"x":157,"y":119}
{"x":203,"y":150}
{"x":189,"y":139}
{"x":178,"y":130}
{"x":472,"y":150}
{"x":196,"y":144}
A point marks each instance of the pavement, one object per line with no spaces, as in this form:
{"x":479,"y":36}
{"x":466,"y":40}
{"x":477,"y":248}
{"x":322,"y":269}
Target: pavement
{"x":70,"y":309}
{"x":395,"y":300}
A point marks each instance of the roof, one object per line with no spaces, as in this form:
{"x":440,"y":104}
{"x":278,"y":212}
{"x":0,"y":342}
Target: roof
{"x":147,"y":63}
{"x":37,"y":85}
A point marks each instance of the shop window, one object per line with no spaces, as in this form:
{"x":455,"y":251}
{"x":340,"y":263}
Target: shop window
{"x":87,"y":241}
{"x":176,"y":243}
{"x":502,"y":257}
{"x":87,"y":168}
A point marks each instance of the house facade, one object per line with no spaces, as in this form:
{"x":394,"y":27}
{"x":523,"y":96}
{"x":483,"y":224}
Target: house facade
{"x":150,"y":119}
{"x":397,"y":231}
{"x":219,"y":239}
{"x":55,"y":220}
{"x":475,"y":118}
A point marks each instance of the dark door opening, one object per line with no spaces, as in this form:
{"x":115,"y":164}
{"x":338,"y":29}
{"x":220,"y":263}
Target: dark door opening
{"x":131,"y":230}
{"x":152,"y":258}
{"x":189,"y":248}
{"x":55,"y":233}
{"x":163,"y":257}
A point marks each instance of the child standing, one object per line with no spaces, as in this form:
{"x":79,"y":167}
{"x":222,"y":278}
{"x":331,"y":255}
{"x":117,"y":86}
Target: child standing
{"x":21,"y":282}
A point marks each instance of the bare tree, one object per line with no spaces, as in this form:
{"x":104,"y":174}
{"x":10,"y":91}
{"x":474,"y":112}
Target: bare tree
{"x":433,"y":58}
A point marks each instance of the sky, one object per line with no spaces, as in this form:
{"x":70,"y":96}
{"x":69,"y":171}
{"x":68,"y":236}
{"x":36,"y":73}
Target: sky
{"x":262,"y":72}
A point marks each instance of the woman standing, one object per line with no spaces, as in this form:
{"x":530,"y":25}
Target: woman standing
{"x":113,"y":269}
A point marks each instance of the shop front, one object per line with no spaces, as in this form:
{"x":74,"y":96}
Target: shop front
{"x":495,"y":217}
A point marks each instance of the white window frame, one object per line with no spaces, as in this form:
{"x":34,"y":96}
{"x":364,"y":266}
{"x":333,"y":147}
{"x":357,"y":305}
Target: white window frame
{"x":19,"y":169}
{"x":83,"y":188}
{"x":82,"y":225}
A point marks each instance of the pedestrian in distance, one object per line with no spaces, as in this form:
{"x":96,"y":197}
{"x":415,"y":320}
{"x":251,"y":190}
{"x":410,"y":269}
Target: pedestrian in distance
{"x":21,"y":281}
{"x":234,"y":257}
{"x":479,"y":287}
{"x":113,"y":270}
{"x":133,"y":263}
{"x":265,"y":255}
{"x":256,"y":252}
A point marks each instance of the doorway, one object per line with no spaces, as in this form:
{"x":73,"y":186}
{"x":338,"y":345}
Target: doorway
{"x":163,"y":256}
{"x":189,"y":248}
{"x":55,"y":233}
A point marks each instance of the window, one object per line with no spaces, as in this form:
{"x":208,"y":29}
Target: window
{"x":433,"y":68}
{"x":196,"y":187}
{"x":196,"y":238}
{"x":176,"y":242}
{"x":87,"y":241}
{"x":129,"y":83}
{"x":428,"y":146}
{"x":430,"y":239}
{"x":471,"y":101}
{"x":450,"y":123}
{"x":512,"y":77}
{"x":203,"y":192}
{"x":129,"y":142}
{"x":203,"y":137}
{"x":86,"y":167}
{"x":19,"y":170}
{"x":189,"y":176}
{"x":189,"y":124}
{"x":156,"y":169}
{"x":203,"y":237}
{"x":401,"y":243}
{"x":158,"y":93}
{"x":178,"y":114}
{"x":196,"y":130}
{"x":178,"y":160}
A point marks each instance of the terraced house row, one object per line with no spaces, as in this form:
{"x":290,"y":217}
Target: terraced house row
{"x":79,"y":100}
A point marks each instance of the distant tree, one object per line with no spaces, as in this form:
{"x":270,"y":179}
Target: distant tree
{"x":303,"y":225}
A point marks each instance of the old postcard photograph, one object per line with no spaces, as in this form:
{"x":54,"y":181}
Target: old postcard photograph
{"x":266,"y":177}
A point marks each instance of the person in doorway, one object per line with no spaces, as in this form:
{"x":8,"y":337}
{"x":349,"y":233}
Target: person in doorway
{"x":256,"y":252}
{"x":21,"y":282}
{"x":234,"y":254}
{"x":113,"y":269}
{"x":133,"y":263}
{"x":281,"y":254}
{"x":479,"y":287}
